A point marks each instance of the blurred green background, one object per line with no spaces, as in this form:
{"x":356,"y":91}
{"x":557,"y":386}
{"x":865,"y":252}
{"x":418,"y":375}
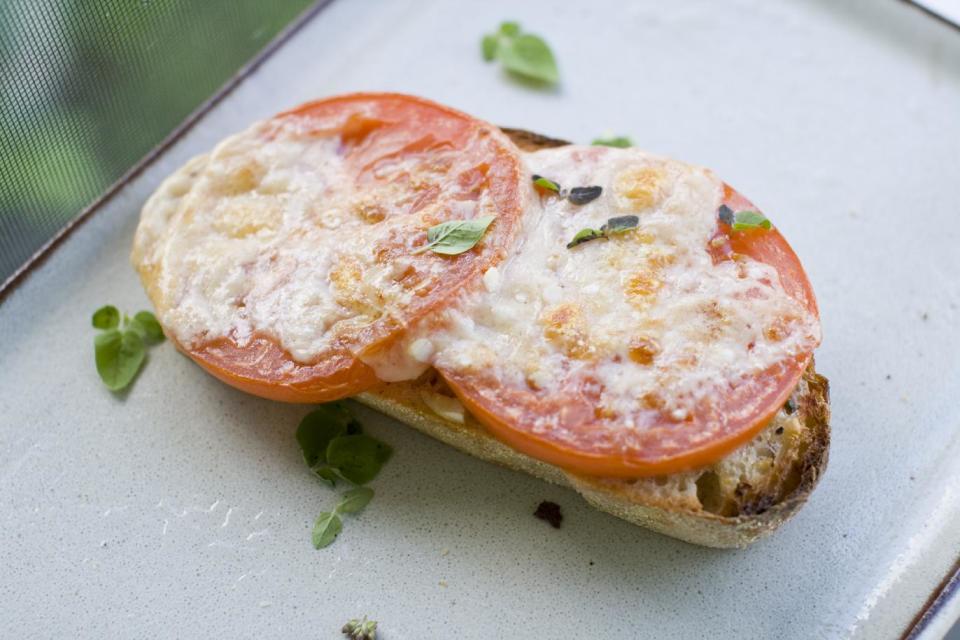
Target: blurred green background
{"x":88,"y":87}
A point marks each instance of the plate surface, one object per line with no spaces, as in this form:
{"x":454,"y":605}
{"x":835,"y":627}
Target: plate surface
{"x":182,"y":509}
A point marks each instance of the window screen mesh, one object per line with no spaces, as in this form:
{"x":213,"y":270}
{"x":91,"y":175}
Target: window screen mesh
{"x":88,"y":87}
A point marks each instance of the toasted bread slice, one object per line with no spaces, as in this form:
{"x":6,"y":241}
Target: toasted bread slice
{"x":730,"y":503}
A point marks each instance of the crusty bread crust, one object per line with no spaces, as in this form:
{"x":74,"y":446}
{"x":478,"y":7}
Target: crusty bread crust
{"x":731,"y":503}
{"x":674,"y":505}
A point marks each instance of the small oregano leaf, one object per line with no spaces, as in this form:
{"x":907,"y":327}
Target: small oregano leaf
{"x":454,"y":237}
{"x":545,"y":183}
{"x":583,"y":195}
{"x":358,"y":458}
{"x":118,"y":355}
{"x":488,"y":46}
{"x":319,"y":427}
{"x":151,"y":328}
{"x":355,"y":500}
{"x":510,"y":29}
{"x":106,"y":317}
{"x":620,"y":224}
{"x":620,"y":142}
{"x":326,"y":529}
{"x":749,"y":220}
{"x":357,"y":629}
{"x":529,"y":56}
{"x":584,"y":235}
{"x":725,"y":214}
{"x":523,"y":54}
{"x":327,"y":474}
{"x":613,"y":226}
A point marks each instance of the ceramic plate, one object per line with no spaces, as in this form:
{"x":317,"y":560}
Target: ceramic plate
{"x":183,"y":509}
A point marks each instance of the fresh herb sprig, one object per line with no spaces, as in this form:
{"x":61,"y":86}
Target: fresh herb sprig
{"x":620,"y":142}
{"x":613,"y":226}
{"x":453,"y":237}
{"x":329,"y":525}
{"x":358,"y":629}
{"x":335,"y":448}
{"x":120,"y":349}
{"x":523,"y":54}
{"x":745,"y":220}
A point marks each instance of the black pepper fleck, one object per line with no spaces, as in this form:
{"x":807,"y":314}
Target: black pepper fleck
{"x":779,"y":430}
{"x":550,"y":512}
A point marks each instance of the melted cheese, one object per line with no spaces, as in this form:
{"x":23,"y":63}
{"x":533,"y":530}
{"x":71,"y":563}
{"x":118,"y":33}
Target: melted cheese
{"x":646,"y":312}
{"x":274,"y":233}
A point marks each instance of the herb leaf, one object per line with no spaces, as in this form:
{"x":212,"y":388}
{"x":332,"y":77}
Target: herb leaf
{"x":545,"y":183}
{"x":488,"y":47}
{"x":319,"y":427}
{"x":358,"y":458}
{"x":529,"y":56}
{"x":355,"y":500}
{"x":106,"y":317}
{"x":523,"y":54}
{"x":620,"y":224}
{"x":613,"y":226}
{"x":725,"y":214}
{"x":327,"y":474}
{"x":326,"y":529}
{"x":510,"y":29}
{"x":583,"y":195}
{"x":118,"y":355}
{"x":748,"y":220}
{"x":148,"y":323}
{"x":454,"y":237}
{"x":584,"y":235}
{"x":360,"y":629}
{"x":620,"y":142}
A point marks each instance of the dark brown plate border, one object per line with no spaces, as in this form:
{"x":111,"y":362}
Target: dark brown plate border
{"x":946,"y":591}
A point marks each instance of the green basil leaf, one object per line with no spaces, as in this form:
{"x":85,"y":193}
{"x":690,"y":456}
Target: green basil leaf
{"x":620,"y":142}
{"x":545,"y":183}
{"x":106,"y":317}
{"x":319,"y":427}
{"x":747,"y":220}
{"x":620,"y":224}
{"x":529,"y":56}
{"x":355,"y":499}
{"x":118,"y":355}
{"x":326,"y":529}
{"x":584,"y":235}
{"x":455,"y":236}
{"x":358,"y":457}
{"x":510,"y":29}
{"x":488,"y":46}
{"x":151,"y":328}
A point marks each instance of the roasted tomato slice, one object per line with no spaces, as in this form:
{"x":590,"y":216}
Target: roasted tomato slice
{"x":651,"y":349}
{"x":290,"y":251}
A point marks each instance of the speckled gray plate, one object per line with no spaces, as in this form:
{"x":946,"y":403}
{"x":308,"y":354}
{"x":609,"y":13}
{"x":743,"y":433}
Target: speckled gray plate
{"x":182,"y":509}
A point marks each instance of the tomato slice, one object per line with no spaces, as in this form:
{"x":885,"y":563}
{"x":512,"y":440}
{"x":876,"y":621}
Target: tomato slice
{"x":565,"y":424}
{"x":364,"y":176}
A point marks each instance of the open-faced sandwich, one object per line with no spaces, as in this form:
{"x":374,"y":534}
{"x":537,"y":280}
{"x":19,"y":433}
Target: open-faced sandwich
{"x":604,"y":318}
